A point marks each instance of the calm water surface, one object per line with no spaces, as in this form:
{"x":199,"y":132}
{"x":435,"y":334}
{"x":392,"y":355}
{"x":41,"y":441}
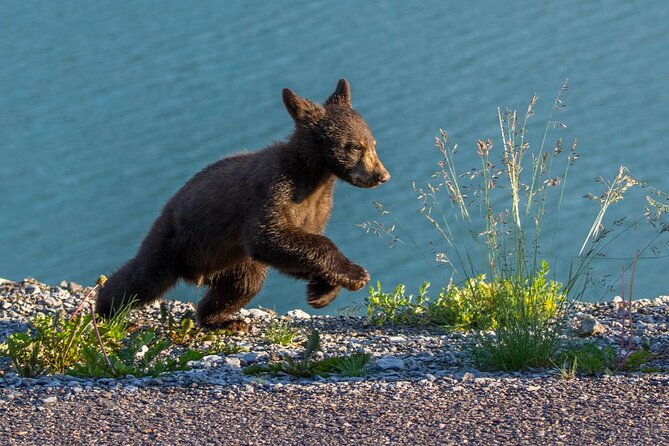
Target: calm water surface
{"x":107,"y":108}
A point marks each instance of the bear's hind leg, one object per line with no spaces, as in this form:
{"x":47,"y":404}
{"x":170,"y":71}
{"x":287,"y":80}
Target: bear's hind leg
{"x":229,"y":290}
{"x":137,"y":283}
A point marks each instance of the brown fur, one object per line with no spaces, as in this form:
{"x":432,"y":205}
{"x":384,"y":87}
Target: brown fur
{"x":246,"y":212}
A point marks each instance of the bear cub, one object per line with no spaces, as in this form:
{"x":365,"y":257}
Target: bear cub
{"x":247,"y":212}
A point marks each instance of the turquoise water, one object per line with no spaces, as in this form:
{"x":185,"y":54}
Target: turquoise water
{"x":107,"y":108}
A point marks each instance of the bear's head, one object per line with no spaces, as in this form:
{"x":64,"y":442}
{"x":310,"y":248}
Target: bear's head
{"x":345,"y":143}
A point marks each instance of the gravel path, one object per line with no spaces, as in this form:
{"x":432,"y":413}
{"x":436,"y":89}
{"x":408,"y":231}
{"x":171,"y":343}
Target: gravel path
{"x":619,"y":410}
{"x":421,"y":389}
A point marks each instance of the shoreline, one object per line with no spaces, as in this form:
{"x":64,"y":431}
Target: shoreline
{"x":397,"y":352}
{"x":424,"y":392}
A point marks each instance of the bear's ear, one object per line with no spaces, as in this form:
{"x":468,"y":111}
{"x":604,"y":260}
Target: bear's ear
{"x":341,"y":95}
{"x":300,"y":109}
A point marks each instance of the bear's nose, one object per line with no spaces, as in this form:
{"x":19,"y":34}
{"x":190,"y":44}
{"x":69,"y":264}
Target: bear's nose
{"x":384,"y":176}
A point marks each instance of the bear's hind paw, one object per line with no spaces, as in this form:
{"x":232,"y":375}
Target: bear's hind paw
{"x":320,"y":293}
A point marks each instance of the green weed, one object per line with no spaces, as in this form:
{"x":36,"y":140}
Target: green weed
{"x":281,"y":332}
{"x":81,"y":345}
{"x":142,"y":354}
{"x":477,"y":304}
{"x":590,"y":359}
{"x":396,"y":307}
{"x":56,"y":342}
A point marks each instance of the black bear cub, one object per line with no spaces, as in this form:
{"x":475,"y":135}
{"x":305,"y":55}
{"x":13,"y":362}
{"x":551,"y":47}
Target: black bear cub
{"x":246,"y":212}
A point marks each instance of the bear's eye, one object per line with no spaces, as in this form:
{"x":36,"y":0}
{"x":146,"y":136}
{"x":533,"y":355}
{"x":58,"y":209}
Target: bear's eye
{"x":355,"y":148}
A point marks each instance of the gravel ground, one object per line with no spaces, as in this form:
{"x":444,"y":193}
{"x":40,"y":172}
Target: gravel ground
{"x":421,"y":389}
{"x":618,"y":410}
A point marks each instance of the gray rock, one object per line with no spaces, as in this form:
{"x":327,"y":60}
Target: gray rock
{"x":32,"y":289}
{"x":74,"y":287}
{"x":590,"y":327}
{"x":248,"y":357}
{"x":390,"y":363}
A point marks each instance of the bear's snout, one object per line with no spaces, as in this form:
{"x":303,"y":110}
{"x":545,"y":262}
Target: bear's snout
{"x":383,"y":177}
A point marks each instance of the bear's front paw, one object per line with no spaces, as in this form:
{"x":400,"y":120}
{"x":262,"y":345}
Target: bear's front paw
{"x":356,"y":277}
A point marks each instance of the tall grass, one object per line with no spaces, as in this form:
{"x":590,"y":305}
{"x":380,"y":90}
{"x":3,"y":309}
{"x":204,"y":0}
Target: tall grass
{"x":502,"y":206}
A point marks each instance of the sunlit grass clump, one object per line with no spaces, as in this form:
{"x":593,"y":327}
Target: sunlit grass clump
{"x":492,"y":224}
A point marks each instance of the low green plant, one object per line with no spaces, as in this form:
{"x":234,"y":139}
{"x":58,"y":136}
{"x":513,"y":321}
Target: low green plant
{"x":183,"y":333}
{"x":529,"y":321}
{"x":396,"y":307}
{"x":281,"y":332}
{"x":142,"y":354}
{"x":82,"y":345}
{"x":305,"y":367}
{"x":468,"y":306}
{"x":568,"y":369}
{"x":353,"y":365}
{"x":56,"y":342}
{"x":590,"y":359}
{"x":477,"y":304}
{"x":637,"y":361}
{"x":25,"y":354}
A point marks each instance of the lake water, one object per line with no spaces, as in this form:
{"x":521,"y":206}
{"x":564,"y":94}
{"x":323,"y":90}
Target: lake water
{"x":107,"y":108}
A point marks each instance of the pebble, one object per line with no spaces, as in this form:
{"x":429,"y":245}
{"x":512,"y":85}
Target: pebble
{"x":233,"y":363}
{"x":590,"y":327}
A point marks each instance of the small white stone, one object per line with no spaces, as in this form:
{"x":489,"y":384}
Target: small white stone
{"x":617,"y":302}
{"x":233,"y":363}
{"x":533,"y":388}
{"x":50,"y":400}
{"x":298,"y":314}
{"x":396,"y":339}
